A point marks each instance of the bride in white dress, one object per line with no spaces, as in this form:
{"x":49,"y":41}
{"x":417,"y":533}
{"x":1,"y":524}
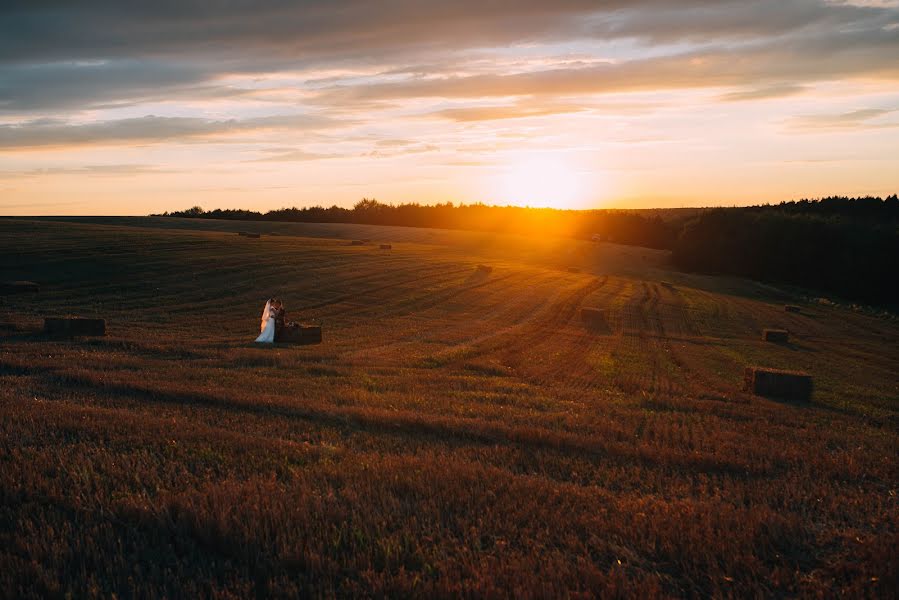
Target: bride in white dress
{"x":268,"y":325}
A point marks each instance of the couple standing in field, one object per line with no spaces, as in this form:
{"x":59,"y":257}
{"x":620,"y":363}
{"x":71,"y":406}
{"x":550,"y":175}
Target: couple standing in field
{"x":272,"y":321}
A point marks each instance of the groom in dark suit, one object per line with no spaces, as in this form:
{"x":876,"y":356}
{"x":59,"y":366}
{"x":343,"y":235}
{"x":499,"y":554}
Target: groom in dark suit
{"x":279,"y":317}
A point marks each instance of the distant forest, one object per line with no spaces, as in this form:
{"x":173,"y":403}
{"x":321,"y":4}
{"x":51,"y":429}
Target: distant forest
{"x":846,"y":246}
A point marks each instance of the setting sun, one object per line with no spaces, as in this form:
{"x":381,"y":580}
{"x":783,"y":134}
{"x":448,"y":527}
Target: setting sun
{"x":544,"y":181}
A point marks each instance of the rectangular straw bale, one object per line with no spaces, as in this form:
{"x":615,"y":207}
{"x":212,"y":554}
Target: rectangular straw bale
{"x":18,"y":287}
{"x":302,"y":334}
{"x":74,"y":326}
{"x":776,"y":383}
{"x":593,"y":315}
{"x":778,"y":336}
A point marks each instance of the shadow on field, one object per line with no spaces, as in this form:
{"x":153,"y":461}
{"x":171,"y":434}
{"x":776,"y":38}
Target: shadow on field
{"x":404,"y":423}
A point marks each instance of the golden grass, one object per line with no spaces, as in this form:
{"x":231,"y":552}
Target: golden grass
{"x":457,"y":433}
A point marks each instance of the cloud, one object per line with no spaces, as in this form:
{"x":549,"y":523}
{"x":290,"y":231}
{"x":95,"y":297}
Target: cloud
{"x":515,"y":111}
{"x":149,"y":129}
{"x":856,"y":119}
{"x":814,"y":58}
{"x":69,"y":55}
{"x":295,"y":156}
{"x":763,"y":93}
{"x":110,"y":170}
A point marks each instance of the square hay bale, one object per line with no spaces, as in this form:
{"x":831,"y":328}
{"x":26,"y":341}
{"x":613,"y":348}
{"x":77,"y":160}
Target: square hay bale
{"x":594,"y":316}
{"x":19,"y":287}
{"x":484,"y":269}
{"x":242,"y":233}
{"x":253,"y":235}
{"x":74,"y":326}
{"x":573,"y":270}
{"x":778,"y":336}
{"x":775,"y":383}
{"x":357,"y":243}
{"x":386,"y":247}
{"x":301,"y":334}
{"x":792,"y":308}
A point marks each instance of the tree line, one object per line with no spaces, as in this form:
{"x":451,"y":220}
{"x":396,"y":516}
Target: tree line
{"x":626,"y":227}
{"x":839,"y":245}
{"x":844,"y":246}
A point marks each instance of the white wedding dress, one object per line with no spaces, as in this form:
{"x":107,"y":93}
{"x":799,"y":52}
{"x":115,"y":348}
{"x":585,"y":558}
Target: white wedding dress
{"x":267,"y":326}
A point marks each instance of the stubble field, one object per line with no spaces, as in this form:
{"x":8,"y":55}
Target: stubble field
{"x":457,"y":433}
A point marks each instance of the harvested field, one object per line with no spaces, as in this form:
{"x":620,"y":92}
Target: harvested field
{"x":453,"y":434}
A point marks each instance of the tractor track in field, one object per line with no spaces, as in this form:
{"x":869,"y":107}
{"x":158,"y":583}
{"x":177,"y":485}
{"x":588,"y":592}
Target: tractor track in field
{"x":442,"y":273}
{"x":513,"y":346}
{"x":493,"y":311}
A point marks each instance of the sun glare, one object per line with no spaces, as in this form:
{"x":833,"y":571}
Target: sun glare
{"x":544,"y":181}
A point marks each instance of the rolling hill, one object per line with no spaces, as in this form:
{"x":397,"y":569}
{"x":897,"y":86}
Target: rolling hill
{"x":457,"y":433}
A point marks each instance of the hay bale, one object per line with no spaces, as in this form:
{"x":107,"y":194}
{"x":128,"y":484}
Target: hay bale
{"x":357,"y":243}
{"x":775,"y":383}
{"x":301,"y":334}
{"x":19,"y":287}
{"x":484,"y":269}
{"x":253,"y":235}
{"x":242,"y":233}
{"x":778,"y":336}
{"x":792,"y":308}
{"x":386,"y":247}
{"x":594,"y":316}
{"x":573,"y":270}
{"x":74,"y":326}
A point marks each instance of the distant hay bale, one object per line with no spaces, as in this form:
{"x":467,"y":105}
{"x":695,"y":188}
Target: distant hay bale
{"x":792,"y":308}
{"x":357,"y":243}
{"x":386,"y":247}
{"x":573,"y":270}
{"x":243,"y":233}
{"x":253,"y":235}
{"x":273,"y":233}
{"x":778,"y":336}
{"x":775,"y":383}
{"x":19,"y":287}
{"x":301,"y":334}
{"x":74,"y":326}
{"x":484,"y":269}
{"x":594,"y":316}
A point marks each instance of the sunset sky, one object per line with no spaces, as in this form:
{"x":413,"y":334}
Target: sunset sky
{"x":110,"y":109}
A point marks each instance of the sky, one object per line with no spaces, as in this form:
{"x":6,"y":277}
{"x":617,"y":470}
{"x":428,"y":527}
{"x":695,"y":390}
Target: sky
{"x":131,"y":108}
